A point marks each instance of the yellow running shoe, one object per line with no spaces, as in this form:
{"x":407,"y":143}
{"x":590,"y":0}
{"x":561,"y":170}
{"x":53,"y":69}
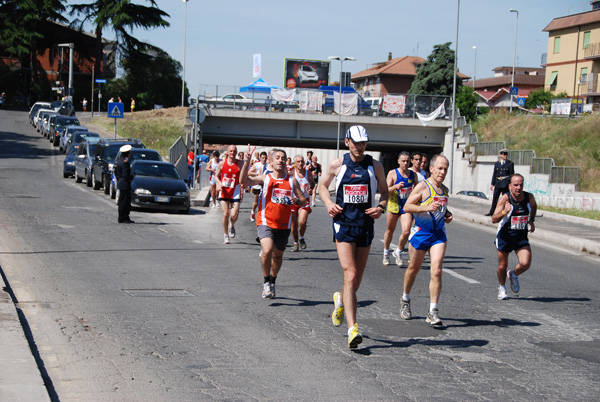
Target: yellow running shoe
{"x":337,"y":317}
{"x":354,"y":338}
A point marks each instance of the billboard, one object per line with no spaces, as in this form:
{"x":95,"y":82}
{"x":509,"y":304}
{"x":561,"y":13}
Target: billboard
{"x":300,"y":73}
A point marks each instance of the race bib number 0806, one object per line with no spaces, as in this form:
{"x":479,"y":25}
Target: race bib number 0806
{"x":356,"y":193}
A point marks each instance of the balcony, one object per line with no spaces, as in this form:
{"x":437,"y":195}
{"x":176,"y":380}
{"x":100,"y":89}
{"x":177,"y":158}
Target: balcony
{"x":592,"y":51}
{"x":591,"y":87}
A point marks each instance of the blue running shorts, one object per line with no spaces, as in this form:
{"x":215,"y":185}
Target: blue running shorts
{"x":423,"y":240}
{"x":361,"y":235}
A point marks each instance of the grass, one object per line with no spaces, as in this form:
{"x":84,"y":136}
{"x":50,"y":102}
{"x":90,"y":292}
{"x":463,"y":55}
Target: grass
{"x":572,"y":212}
{"x":158,"y":129}
{"x":571,"y":142}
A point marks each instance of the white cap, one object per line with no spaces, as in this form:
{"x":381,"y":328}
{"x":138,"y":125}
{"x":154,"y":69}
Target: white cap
{"x":357,"y":134}
{"x":125,"y":148}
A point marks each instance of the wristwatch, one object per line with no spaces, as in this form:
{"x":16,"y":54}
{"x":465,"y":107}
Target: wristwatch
{"x":382,"y":207}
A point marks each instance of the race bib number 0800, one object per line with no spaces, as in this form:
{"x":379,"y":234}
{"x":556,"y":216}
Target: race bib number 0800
{"x":356,"y":193}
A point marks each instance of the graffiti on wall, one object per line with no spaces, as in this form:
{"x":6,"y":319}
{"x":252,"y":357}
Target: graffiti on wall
{"x":538,"y":185}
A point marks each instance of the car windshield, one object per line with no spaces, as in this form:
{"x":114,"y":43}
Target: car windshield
{"x":164,"y":171}
{"x":73,"y":150}
{"x":146,"y":155}
{"x":78,"y":137}
{"x":67,"y":121}
{"x":56,"y":104}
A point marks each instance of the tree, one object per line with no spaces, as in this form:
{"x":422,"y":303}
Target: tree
{"x":122,"y":16}
{"x":466,"y":102}
{"x":436,"y":75}
{"x":539,"y":97}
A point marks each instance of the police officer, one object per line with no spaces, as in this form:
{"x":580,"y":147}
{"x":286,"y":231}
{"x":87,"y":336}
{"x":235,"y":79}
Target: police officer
{"x":124,"y":178}
{"x":503,"y":169}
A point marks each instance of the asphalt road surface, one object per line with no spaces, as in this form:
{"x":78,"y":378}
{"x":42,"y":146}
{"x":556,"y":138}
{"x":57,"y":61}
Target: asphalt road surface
{"x":163,"y":311}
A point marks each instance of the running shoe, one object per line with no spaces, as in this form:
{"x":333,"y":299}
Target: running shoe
{"x":252,"y":216}
{"x":232,"y":231}
{"x":225,"y":239}
{"x":302,"y":244}
{"x":386,"y":259}
{"x":514,"y":281}
{"x":354,"y":338}
{"x":260,"y":253}
{"x":502,"y":293}
{"x":268,"y":290}
{"x":337,"y":317}
{"x":433,"y":318}
{"x":398,"y":256}
{"x":295,"y":247}
{"x":405,"y":312}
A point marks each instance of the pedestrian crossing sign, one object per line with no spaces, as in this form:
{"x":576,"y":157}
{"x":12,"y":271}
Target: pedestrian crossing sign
{"x":116,"y":110}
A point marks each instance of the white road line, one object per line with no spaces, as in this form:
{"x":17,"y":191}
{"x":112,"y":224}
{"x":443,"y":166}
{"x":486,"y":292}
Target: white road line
{"x":459,"y":276}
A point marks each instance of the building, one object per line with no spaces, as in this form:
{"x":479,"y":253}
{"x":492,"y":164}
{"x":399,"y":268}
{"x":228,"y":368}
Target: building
{"x":393,"y":76}
{"x":494,"y":92}
{"x":573,"y":61}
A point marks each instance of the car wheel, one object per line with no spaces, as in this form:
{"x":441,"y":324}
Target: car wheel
{"x":117,"y":196}
{"x":77,"y":178}
{"x":113,"y":192}
{"x":184,"y":211}
{"x":106,"y":184}
{"x":95,"y":184}
{"x":54,"y":141}
{"x":88,"y":179}
{"x":65,"y":175}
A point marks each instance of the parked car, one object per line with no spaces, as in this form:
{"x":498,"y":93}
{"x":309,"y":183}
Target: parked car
{"x":64,"y":108}
{"x":134,"y":154}
{"x":158,"y":185}
{"x":66,"y":134}
{"x":79,"y":136}
{"x":43,"y":120}
{"x":58,"y":126}
{"x":39,"y":115}
{"x":34,"y":109}
{"x":363,"y":107}
{"x":229,"y":101}
{"x":69,"y":162}
{"x":470,"y":193}
{"x":83,"y":160}
{"x":104,"y":157}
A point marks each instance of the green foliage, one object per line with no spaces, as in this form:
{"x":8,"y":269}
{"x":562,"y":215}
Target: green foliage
{"x":466,"y":101}
{"x":436,"y":75}
{"x":539,"y":97}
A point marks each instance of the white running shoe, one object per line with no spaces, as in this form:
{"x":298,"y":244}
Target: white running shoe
{"x":386,"y":259}
{"x":514,"y":281}
{"x":398,"y":256}
{"x":268,"y":290}
{"x":225,"y":239}
{"x":252,"y":216}
{"x":231,"y":231}
{"x":502,"y":293}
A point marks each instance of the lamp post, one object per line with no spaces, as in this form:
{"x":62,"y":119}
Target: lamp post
{"x":69,"y":92}
{"x":341,"y":59}
{"x":184,"y":38}
{"x":512,"y":82}
{"x":454,"y":101}
{"x":474,"y":67}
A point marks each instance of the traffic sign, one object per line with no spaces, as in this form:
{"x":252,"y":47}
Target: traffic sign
{"x":521,"y":101}
{"x":100,"y":81}
{"x":116,"y":110}
{"x":514,"y":90}
{"x":197,"y":115}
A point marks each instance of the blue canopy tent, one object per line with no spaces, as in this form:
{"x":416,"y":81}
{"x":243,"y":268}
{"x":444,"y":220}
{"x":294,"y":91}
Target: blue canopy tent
{"x":260,"y":86}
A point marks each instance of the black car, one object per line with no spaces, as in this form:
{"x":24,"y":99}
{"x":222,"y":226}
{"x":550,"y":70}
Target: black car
{"x":104,"y":157}
{"x":158,"y":185}
{"x":134,"y":154}
{"x":60,"y":122}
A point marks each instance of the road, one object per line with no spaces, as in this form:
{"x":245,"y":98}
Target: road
{"x":163,"y":311}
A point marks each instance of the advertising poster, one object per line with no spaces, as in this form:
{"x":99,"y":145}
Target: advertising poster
{"x":300,"y":73}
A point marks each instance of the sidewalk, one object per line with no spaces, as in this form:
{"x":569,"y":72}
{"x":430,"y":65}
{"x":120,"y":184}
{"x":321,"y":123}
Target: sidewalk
{"x":21,"y":379}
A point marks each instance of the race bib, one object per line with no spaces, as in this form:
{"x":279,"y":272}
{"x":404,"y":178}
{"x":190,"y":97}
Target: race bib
{"x":404,"y":192}
{"x":519,"y":222}
{"x":443,"y":201}
{"x":228,"y":182}
{"x":281,"y":196}
{"x":356,"y":193}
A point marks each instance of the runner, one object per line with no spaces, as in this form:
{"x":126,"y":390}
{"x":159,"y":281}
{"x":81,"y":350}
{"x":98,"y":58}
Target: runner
{"x":211,"y":167}
{"x":256,"y":170}
{"x":415,"y":160}
{"x":429,"y":205}
{"x":357,"y":178}
{"x":280,"y":192}
{"x":400,"y":183}
{"x":300,"y":215}
{"x":515,"y":210}
{"x":315,"y":168}
{"x":227,"y":177}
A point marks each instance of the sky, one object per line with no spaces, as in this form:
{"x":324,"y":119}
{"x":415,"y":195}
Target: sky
{"x":222,"y":36}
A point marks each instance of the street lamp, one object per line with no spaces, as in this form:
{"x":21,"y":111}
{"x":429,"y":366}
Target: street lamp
{"x":341,"y":59}
{"x":474,"y":67}
{"x":454,"y":101}
{"x":69,"y":92}
{"x":512,"y":82}
{"x":184,"y":38}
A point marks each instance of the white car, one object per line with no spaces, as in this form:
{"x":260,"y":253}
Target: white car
{"x":307,"y":73}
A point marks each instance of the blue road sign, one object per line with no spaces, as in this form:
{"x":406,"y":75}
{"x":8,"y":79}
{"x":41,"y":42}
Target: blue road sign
{"x":514,"y":91}
{"x":521,"y":101}
{"x":116,"y":110}
{"x":100,"y":81}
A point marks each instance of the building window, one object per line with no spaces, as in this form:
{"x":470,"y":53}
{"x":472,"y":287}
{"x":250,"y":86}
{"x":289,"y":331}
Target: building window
{"x":557,"y":44}
{"x":586,"y":39}
{"x":553,"y":80}
{"x":584,"y":73}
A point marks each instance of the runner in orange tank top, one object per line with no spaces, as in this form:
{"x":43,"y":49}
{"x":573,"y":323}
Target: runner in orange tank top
{"x":280,"y":192}
{"x":227,"y":177}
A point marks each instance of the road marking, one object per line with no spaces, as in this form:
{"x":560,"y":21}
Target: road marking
{"x":459,"y":276}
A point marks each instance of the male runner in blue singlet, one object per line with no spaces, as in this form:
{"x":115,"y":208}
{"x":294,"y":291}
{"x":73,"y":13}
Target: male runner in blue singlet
{"x":429,"y":205}
{"x":514,"y":212}
{"x":357,"y":179}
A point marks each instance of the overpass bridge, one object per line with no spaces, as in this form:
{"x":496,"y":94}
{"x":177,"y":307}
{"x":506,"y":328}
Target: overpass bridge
{"x":387,"y":135}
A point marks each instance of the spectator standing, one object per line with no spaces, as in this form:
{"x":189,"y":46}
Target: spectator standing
{"x":84,"y":104}
{"x":503,"y":169}
{"x":132,"y":105}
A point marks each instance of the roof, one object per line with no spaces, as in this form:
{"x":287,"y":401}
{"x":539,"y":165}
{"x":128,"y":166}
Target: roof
{"x":506,"y":80}
{"x":588,"y":17}
{"x":521,"y":69}
{"x":492,"y":96}
{"x":406,"y":65}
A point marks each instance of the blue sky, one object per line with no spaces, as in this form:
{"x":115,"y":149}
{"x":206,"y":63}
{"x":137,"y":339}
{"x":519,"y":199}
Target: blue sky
{"x":223,"y":35}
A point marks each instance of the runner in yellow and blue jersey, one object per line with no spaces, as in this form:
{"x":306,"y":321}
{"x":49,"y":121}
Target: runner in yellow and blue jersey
{"x":429,"y":205}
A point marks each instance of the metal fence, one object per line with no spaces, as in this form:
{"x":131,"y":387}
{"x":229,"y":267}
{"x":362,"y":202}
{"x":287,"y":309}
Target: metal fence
{"x":542,"y":165}
{"x":564,"y":174}
{"x":522,"y":157}
{"x":176,"y":151}
{"x":489,"y":148}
